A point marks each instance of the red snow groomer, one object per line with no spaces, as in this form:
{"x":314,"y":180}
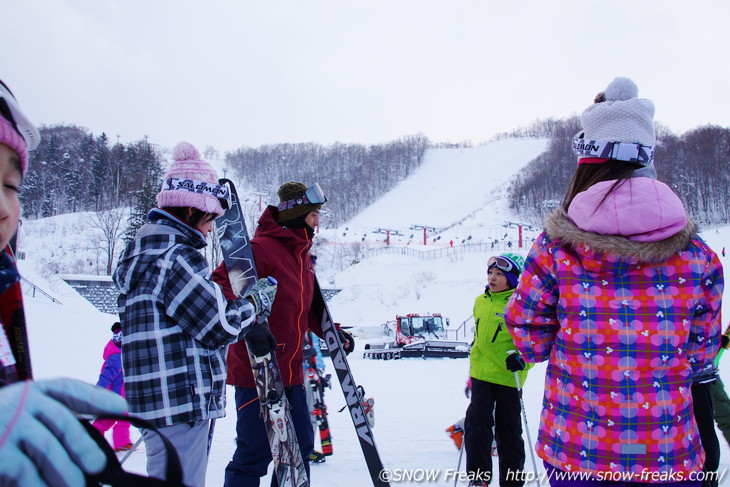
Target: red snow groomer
{"x":416,"y":335}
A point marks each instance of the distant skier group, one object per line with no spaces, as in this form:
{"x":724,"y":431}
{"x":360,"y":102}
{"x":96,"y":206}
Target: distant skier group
{"x":619,"y":295}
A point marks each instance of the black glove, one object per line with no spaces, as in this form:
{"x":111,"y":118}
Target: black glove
{"x":515,"y":362}
{"x":724,"y":340}
{"x":308,"y":351}
{"x":347,"y":340}
{"x":259,"y":339}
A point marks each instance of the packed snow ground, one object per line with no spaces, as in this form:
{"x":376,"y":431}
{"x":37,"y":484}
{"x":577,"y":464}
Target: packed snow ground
{"x":415,"y":399}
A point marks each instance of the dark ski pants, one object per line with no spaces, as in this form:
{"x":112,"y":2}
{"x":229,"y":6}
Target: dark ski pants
{"x":253,"y":454}
{"x":494,"y":405}
{"x":705,"y":418}
{"x":722,"y":408}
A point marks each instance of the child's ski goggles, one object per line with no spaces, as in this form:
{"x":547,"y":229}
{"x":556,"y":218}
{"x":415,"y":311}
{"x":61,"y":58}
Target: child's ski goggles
{"x":218,"y":191}
{"x":501,"y":263}
{"x":312,"y":196}
{"x":11,"y":112}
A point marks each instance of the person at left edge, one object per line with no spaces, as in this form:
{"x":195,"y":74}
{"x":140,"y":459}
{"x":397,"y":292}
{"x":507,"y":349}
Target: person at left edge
{"x":281,"y":246}
{"x":176,"y":322}
{"x":41,"y":442}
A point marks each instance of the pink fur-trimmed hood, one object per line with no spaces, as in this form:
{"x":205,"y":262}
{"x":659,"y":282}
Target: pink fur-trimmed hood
{"x":640,"y":209}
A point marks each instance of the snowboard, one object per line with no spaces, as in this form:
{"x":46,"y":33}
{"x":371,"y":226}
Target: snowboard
{"x":238,"y":257}
{"x":353,"y":393}
{"x":12,"y":317}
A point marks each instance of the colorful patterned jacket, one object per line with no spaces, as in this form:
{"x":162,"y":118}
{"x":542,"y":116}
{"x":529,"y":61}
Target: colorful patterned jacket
{"x":625,"y":323}
{"x":177,"y":325}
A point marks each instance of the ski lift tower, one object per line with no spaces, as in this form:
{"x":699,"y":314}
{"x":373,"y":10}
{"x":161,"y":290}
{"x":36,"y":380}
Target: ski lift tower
{"x":519,"y":230}
{"x":425,"y":231}
{"x":387,"y":232}
{"x":261,"y":202}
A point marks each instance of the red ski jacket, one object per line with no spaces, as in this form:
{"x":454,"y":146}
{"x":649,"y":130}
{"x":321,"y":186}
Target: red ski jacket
{"x":282,"y":253}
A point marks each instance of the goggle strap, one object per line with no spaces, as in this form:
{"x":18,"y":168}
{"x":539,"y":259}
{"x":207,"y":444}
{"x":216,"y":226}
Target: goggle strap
{"x":620,"y":151}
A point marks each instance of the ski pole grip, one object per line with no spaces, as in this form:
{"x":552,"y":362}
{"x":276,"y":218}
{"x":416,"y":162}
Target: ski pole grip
{"x":273,"y":281}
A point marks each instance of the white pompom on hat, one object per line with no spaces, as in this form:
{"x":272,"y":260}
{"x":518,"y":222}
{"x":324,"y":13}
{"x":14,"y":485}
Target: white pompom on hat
{"x":619,"y":115}
{"x":187,"y":164}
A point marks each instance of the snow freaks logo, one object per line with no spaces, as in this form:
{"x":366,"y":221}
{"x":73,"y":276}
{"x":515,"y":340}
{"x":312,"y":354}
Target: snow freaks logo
{"x":427,"y":475}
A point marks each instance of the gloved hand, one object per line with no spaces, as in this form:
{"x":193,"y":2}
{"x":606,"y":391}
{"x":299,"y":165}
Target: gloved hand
{"x":467,"y":389}
{"x":41,"y":441}
{"x":515,"y":362}
{"x":308,"y":351}
{"x":724,"y":341}
{"x":262,"y":295}
{"x":260,"y":340}
{"x":347,"y":340}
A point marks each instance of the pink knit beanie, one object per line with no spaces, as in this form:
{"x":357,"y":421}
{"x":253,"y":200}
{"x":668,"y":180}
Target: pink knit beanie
{"x":187,"y":167}
{"x":10,"y":137}
{"x":16,"y":130}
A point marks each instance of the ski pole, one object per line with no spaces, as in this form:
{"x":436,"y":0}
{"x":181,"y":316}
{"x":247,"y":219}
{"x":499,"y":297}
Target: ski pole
{"x":527,"y":428}
{"x":131,"y":450}
{"x":458,"y":465}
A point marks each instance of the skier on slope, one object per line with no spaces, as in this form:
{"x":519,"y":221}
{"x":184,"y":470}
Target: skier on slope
{"x":41,"y":441}
{"x":112,"y":377}
{"x":177,"y":324}
{"x":495,"y":401}
{"x":623,"y":299}
{"x":281,"y":247}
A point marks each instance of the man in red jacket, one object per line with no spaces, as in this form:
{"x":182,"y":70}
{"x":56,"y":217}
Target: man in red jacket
{"x":281,"y":249}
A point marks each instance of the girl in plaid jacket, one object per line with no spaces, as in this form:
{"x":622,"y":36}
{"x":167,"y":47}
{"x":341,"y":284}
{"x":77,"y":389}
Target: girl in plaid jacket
{"x":622,"y":298}
{"x":176,"y":322}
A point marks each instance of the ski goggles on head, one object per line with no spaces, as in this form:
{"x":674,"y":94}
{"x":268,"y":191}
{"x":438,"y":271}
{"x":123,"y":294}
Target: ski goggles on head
{"x":312,"y":196}
{"x":619,"y":151}
{"x":11,"y":112}
{"x":218,"y":191}
{"x":500,"y":263}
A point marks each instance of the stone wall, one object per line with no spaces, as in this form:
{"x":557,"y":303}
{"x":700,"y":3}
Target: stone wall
{"x":100,"y":292}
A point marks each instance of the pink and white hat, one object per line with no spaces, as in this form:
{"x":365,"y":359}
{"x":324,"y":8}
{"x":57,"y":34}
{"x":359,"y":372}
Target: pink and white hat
{"x":16,"y":130}
{"x":191,"y":182}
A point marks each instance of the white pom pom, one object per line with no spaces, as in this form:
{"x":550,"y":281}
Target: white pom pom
{"x":185,"y":151}
{"x":621,"y":89}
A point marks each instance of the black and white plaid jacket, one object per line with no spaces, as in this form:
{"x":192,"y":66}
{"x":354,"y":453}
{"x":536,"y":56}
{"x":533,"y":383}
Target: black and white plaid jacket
{"x":176,"y":323}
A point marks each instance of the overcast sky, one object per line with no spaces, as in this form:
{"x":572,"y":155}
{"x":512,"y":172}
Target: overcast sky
{"x":229,"y":73}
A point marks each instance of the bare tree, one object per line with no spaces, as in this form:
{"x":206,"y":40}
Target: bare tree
{"x":111,"y":224}
{"x":209,"y":152}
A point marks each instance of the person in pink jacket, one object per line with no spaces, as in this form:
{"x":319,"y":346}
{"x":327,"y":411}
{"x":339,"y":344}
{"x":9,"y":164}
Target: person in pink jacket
{"x":112,"y":377}
{"x":622,"y":298}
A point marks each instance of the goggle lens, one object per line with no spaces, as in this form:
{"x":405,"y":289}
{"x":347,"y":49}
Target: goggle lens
{"x":501,"y":263}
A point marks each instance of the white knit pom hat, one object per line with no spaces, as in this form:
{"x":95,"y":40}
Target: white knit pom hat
{"x":618,"y":115}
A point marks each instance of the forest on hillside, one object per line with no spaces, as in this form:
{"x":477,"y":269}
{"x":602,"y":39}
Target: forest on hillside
{"x":696,"y":165}
{"x":352,"y":175}
{"x":74,"y":170}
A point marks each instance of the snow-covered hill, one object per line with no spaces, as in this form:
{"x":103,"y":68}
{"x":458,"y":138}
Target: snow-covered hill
{"x":458,"y":192}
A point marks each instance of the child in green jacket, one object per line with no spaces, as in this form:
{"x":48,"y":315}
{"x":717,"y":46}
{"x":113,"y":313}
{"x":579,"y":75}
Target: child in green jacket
{"x":495,"y":401}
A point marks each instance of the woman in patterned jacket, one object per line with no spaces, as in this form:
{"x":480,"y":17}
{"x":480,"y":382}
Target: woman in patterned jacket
{"x":622,"y":298}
